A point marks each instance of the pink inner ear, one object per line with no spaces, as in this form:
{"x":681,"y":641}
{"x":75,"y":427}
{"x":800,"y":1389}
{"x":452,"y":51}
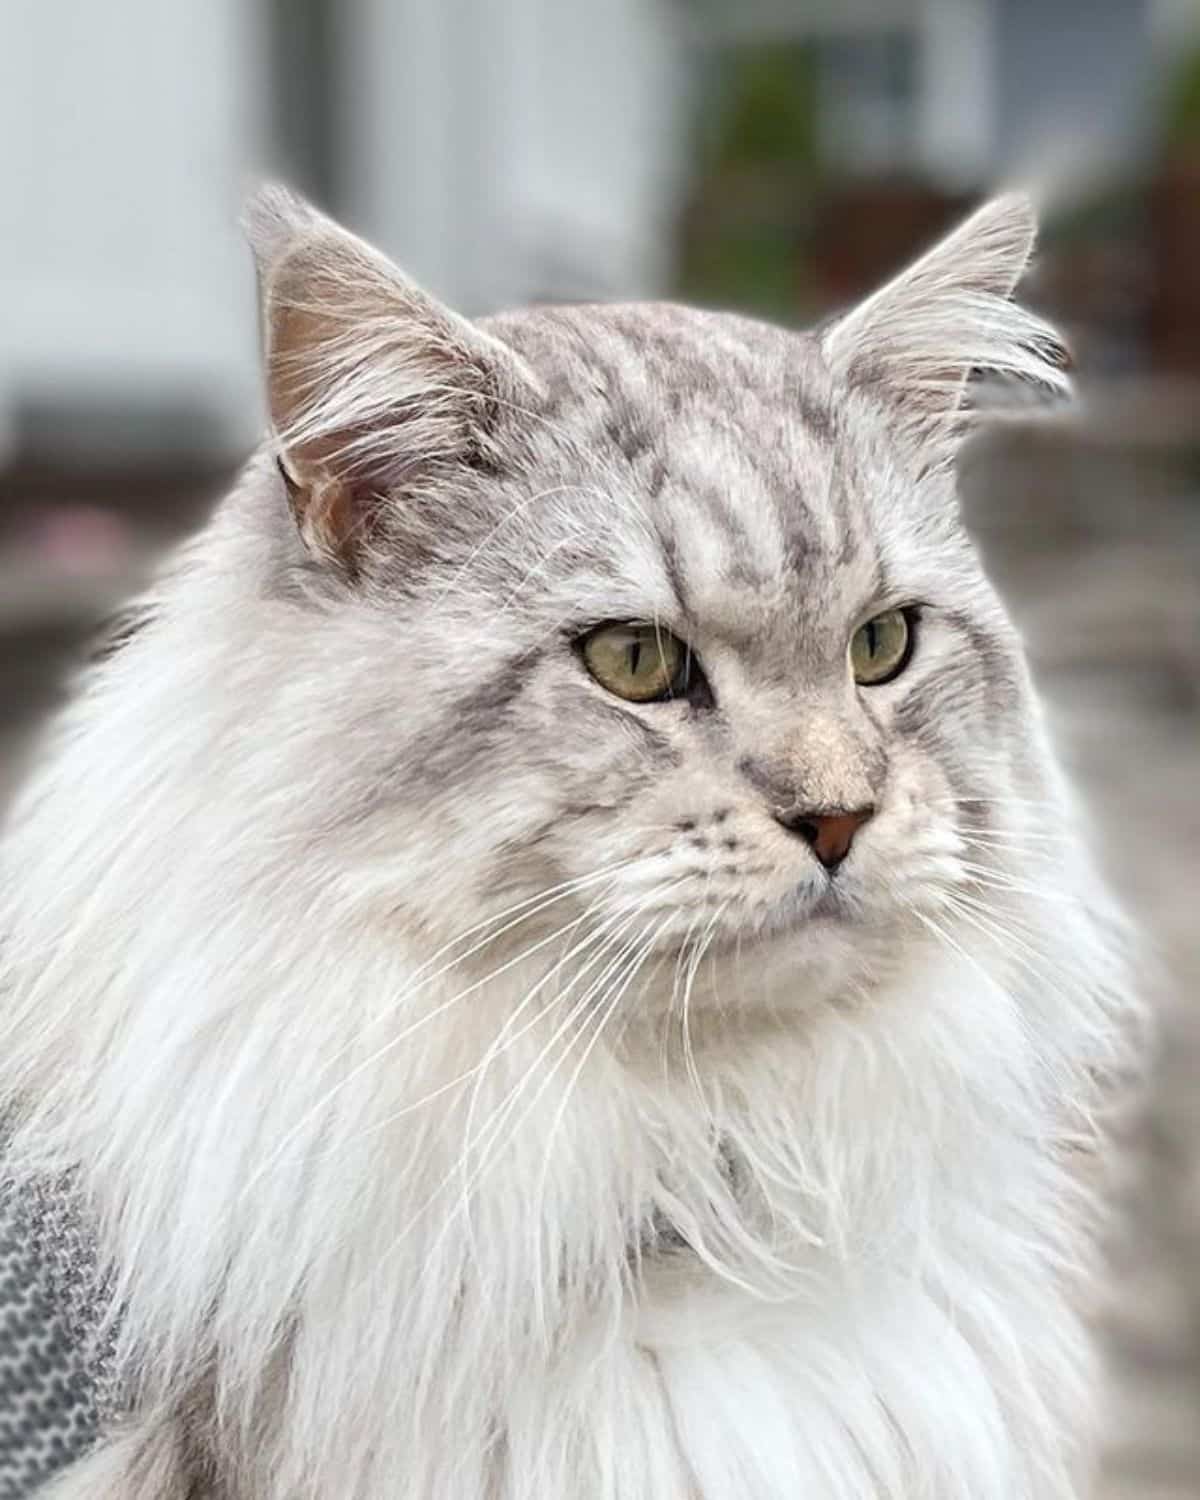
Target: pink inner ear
{"x":330,"y":520}
{"x":372,"y":385}
{"x":358,"y":372}
{"x":321,"y":494}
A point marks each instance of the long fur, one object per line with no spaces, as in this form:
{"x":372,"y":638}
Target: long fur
{"x":917,"y":340}
{"x":416,"y":1176}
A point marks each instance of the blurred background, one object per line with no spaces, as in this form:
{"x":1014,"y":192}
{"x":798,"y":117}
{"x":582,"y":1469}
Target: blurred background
{"x":777,"y":156}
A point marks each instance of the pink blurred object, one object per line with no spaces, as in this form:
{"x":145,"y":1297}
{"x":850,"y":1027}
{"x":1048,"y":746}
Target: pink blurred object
{"x":82,"y":539}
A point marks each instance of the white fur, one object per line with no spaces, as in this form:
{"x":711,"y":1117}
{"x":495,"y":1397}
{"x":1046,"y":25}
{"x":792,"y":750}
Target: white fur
{"x":895,"y":1321}
{"x":423,"y":1182}
{"x":917,"y":339}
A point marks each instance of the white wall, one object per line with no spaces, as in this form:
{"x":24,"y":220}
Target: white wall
{"x":123,"y":142}
{"x":500,"y":149}
{"x":517,"y":149}
{"x":957,"y":127}
{"x":598,"y":176}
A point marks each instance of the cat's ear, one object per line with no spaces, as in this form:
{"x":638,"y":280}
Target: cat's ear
{"x":375,"y":390}
{"x":916,"y":343}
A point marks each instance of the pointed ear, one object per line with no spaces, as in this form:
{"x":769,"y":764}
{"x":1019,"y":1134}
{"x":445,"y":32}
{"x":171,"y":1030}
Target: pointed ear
{"x":374,"y":388}
{"x":916,"y":342}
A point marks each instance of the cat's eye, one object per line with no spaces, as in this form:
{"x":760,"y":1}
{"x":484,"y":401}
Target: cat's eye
{"x":881,"y":648}
{"x":638,"y":662}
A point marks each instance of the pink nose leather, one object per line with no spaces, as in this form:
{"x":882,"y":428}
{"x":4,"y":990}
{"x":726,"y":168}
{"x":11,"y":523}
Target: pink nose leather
{"x":829,"y":834}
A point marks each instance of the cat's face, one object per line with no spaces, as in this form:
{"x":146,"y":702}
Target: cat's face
{"x":677,"y":487}
{"x":682,"y":636}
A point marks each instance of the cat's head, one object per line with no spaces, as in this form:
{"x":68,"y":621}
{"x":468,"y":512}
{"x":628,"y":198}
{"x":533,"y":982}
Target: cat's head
{"x":662,"y":622}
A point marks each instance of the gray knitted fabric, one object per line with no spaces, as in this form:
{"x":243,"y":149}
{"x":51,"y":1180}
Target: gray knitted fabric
{"x":54,"y":1367}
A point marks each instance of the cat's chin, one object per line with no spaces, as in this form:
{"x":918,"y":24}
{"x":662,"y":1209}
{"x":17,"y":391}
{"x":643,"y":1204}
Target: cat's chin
{"x":744,"y":985}
{"x":813,"y":945}
{"x":778,"y":957}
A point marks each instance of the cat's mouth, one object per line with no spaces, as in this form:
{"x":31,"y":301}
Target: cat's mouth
{"x":810,"y":904}
{"x":740,"y":919}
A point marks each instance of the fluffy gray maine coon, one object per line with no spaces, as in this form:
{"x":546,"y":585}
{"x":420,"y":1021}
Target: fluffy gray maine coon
{"x":558,"y":961}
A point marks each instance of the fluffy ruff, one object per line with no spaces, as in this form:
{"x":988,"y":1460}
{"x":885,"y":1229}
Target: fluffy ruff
{"x":456,"y":1227}
{"x":462,"y":1114}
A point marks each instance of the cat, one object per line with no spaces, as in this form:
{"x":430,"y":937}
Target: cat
{"x":558,"y":958}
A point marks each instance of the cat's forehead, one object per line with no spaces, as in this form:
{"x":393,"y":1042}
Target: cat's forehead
{"x":723,"y":442}
{"x":652,"y":364}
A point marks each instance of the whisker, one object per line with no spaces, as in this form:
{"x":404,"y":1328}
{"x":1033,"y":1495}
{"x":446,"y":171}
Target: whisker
{"x":509,"y":1039}
{"x":604,"y":1014}
{"x":676,"y":981}
{"x":487,"y":1139}
{"x":978,"y":918}
{"x":998,"y":880}
{"x":944,"y":937}
{"x":689,"y":1055}
{"x":484,"y":1139}
{"x":422,"y":980}
{"x":608,"y":931}
{"x":1016,"y":838}
{"x":521,"y":506}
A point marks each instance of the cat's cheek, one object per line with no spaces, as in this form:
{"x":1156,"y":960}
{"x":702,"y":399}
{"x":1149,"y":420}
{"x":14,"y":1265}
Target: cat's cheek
{"x":591,"y":749}
{"x":911,"y":851}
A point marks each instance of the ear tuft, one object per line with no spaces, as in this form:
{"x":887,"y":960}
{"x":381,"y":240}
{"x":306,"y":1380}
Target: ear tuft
{"x":375,"y":390}
{"x":273,"y":217}
{"x":917,"y":342}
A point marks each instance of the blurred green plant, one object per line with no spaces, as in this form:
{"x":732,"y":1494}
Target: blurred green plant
{"x":770,"y":115}
{"x":757,"y":158}
{"x":1181,"y":115}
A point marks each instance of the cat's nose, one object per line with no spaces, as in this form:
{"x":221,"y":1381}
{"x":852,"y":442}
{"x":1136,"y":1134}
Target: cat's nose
{"x":828,"y":834}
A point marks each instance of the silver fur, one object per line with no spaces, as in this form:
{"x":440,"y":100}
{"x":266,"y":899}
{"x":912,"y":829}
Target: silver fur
{"x":478,"y":1092}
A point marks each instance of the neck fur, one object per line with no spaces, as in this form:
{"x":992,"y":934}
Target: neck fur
{"x":496,"y":1245}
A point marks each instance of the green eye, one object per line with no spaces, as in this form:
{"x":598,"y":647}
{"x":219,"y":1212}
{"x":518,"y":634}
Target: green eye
{"x":881,"y":648}
{"x":638,"y":662}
